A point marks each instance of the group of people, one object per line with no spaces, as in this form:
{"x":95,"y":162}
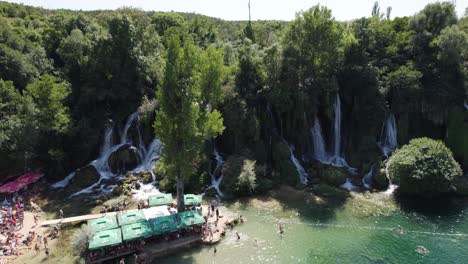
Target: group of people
{"x":11,"y":220}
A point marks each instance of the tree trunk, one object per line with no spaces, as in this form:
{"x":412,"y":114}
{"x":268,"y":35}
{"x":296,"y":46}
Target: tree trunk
{"x":180,"y":192}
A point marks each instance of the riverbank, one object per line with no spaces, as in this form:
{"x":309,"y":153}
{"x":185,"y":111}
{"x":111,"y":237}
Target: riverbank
{"x":320,"y":219}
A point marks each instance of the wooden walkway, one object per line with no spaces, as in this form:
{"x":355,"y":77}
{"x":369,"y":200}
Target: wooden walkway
{"x":76,"y":219}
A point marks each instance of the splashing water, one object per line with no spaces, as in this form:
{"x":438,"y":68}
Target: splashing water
{"x":391,"y":187}
{"x":388,"y":136}
{"x":215,"y":183}
{"x":367,"y":179}
{"x":303,"y":176}
{"x":348,"y":185}
{"x":148,"y":158}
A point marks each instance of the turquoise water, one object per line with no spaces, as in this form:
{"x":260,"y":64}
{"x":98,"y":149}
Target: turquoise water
{"x":342,"y":236}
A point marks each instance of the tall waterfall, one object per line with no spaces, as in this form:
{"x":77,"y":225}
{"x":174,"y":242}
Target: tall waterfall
{"x":216,"y":182}
{"x":319,"y":152}
{"x":148,"y":156}
{"x":335,"y":158}
{"x":388,"y":136}
{"x":303,"y":177}
{"x":337,"y":129}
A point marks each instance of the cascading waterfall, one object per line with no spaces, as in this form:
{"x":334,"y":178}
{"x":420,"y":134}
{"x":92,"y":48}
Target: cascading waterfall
{"x":303,"y":176}
{"x":367,"y":179}
{"x":216,"y":182}
{"x":148,"y":158}
{"x":335,"y":158}
{"x":319,"y":152}
{"x":388,"y":136}
{"x":391,"y":187}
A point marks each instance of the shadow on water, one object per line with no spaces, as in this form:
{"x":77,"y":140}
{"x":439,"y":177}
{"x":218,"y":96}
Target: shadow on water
{"x":442,"y":206}
{"x":318,"y":205}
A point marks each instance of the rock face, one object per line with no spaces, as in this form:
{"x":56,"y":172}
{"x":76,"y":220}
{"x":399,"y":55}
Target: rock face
{"x":85,"y":177}
{"x":333,"y":175}
{"x":124,"y":159}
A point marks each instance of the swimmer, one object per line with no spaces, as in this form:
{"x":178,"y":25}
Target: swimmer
{"x":237,"y":234}
{"x":281,"y":229}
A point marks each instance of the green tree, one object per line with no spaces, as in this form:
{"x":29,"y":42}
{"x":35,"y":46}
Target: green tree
{"x":424,"y":167}
{"x":181,"y":123}
{"x":48,"y":95}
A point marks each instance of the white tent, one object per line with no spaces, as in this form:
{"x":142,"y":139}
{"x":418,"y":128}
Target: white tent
{"x":154,"y":212}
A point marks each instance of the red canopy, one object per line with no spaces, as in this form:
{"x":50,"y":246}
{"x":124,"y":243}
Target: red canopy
{"x":20,"y":182}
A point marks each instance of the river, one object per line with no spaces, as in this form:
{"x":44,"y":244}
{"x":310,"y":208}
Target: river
{"x":351,"y":233}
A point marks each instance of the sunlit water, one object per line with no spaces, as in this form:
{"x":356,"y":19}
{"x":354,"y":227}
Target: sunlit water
{"x":338,"y":237}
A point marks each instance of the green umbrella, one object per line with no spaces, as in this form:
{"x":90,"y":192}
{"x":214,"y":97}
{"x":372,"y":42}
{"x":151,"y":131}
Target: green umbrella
{"x":192,"y":200}
{"x":103,"y":223}
{"x":131,"y":217}
{"x":106,"y":238}
{"x":160,"y":199}
{"x":190,"y":218}
{"x":163,"y":224}
{"x":136,"y":231}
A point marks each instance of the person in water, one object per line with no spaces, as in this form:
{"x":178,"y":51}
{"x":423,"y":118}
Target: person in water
{"x":281,"y":229}
{"x":215,"y":250}
{"x":237,"y":234}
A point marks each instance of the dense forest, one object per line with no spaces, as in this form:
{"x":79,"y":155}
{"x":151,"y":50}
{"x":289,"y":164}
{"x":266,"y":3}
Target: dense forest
{"x":259,"y":88}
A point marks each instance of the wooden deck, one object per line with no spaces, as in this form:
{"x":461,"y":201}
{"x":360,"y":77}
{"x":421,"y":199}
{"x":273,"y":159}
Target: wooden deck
{"x":76,"y":219}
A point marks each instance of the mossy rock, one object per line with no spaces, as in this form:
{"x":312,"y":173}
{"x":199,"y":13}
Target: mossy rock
{"x":146,"y":177}
{"x":380,"y":179}
{"x":333,"y":175}
{"x":85,"y":176}
{"x":124,"y":159}
{"x":130,"y":179}
{"x":211,"y":192}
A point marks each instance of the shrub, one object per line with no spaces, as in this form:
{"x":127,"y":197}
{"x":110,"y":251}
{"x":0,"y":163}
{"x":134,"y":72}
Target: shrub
{"x":424,"y":167}
{"x":80,"y":239}
{"x":247,"y":178}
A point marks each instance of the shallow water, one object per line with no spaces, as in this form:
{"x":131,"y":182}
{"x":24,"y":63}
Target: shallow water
{"x":341,"y":237}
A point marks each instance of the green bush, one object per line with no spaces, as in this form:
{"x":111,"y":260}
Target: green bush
{"x":424,"y":167}
{"x":246,"y":182}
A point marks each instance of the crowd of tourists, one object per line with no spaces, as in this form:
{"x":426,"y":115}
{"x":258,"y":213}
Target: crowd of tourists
{"x":11,"y":221}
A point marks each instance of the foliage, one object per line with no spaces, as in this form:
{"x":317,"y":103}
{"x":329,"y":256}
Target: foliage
{"x":186,"y":117}
{"x":67,"y":74}
{"x":246,"y":181}
{"x":80,"y":239}
{"x":424,"y":167}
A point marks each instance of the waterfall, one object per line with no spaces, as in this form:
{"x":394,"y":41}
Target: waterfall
{"x":130,"y":119}
{"x":348,"y":185}
{"x":367,"y":179}
{"x":319,"y":152}
{"x":391,"y":187}
{"x":335,"y":158}
{"x":337,"y":128}
{"x":216,"y":182}
{"x":148,"y":158}
{"x":300,"y":170}
{"x":303,"y":176}
{"x":388,"y":136}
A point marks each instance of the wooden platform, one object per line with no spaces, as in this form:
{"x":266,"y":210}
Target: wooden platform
{"x":76,"y":219}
